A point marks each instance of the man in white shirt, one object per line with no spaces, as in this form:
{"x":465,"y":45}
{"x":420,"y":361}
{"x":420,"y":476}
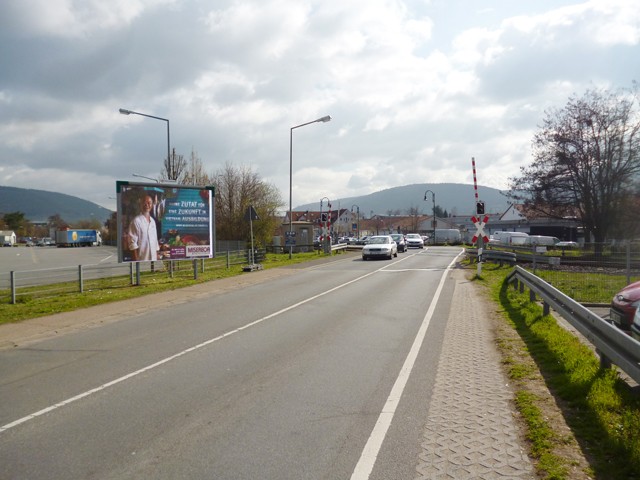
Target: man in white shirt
{"x":143,"y":236}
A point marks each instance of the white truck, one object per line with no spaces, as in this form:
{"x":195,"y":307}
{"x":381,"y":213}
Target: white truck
{"x":510,"y":238}
{"x":451,"y":236}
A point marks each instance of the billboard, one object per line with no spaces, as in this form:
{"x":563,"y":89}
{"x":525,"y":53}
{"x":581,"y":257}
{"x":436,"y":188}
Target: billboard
{"x":164,"y":221}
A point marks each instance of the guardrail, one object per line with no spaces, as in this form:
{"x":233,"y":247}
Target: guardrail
{"x":339,"y":246}
{"x":611,"y":343}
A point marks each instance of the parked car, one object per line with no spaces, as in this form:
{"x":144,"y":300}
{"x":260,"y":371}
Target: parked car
{"x":380,"y":246}
{"x":362,"y":240}
{"x":567,"y":245}
{"x":400,"y":241}
{"x":635,"y":326}
{"x":624,"y":306}
{"x":414,"y":240}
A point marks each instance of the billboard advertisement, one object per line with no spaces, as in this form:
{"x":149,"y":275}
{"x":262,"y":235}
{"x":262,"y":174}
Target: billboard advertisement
{"x":164,"y":221}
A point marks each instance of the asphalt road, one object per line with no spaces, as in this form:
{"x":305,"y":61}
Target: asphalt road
{"x":281,"y":379}
{"x":39,"y":258}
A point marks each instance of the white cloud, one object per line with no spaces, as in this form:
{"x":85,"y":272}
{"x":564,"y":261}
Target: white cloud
{"x":415,"y":88}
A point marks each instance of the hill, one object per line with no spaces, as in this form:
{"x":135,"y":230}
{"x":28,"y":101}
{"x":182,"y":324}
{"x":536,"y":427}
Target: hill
{"x":39,"y":205}
{"x":455,"y":198}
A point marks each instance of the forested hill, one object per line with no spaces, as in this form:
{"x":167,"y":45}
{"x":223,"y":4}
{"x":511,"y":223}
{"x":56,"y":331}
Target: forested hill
{"x":455,"y":198}
{"x":39,"y":205}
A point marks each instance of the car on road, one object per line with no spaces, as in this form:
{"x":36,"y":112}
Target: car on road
{"x":624,"y":305}
{"x":380,"y":246}
{"x":400,"y":241}
{"x":414,"y":240}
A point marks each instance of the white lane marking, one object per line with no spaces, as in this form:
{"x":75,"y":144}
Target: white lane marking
{"x":63,"y":403}
{"x":367,"y":460}
{"x":106,"y":259}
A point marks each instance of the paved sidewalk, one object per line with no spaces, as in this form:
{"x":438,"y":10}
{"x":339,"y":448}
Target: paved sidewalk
{"x":471,"y":432}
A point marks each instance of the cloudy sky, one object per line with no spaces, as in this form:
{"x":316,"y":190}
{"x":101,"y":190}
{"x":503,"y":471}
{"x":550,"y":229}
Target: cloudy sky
{"x":415,"y":88}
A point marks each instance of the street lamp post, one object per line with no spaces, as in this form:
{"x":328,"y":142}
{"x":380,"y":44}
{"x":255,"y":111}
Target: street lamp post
{"x":433,"y":197}
{"x":357,"y":220}
{"x":148,"y":178}
{"x":124,"y":111}
{"x":322,"y":119}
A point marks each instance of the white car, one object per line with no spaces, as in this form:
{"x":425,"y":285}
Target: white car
{"x":380,"y":246}
{"x":414,"y":240}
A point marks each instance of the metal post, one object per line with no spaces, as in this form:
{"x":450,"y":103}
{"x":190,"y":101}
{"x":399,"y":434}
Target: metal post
{"x":13,"y":287}
{"x":322,"y":119}
{"x":80,"y":279}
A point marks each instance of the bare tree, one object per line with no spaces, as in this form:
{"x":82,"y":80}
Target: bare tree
{"x":236,"y":189}
{"x":174,"y":167}
{"x":414,"y":214}
{"x":194,"y":174}
{"x":586,"y":160}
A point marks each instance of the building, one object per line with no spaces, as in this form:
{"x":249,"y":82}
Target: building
{"x":7,"y":238}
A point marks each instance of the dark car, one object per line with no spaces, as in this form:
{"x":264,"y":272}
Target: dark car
{"x":399,"y":239}
{"x":624,"y":305}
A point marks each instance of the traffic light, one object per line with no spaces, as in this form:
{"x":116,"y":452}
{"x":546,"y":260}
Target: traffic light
{"x":324,"y":217}
{"x":480,"y":208}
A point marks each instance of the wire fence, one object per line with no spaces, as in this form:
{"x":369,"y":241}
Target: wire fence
{"x":81,"y":278}
{"x":588,"y":274}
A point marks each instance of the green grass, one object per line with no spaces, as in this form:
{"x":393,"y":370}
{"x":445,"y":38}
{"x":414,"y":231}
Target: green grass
{"x":585,"y":287}
{"x":599,"y":407}
{"x":36,"y":302}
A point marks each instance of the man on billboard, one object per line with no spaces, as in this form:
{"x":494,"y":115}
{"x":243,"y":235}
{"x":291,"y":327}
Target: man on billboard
{"x":143,"y":235}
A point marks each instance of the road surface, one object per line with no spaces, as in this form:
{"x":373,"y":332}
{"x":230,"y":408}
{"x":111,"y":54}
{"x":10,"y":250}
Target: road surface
{"x":324,"y":372}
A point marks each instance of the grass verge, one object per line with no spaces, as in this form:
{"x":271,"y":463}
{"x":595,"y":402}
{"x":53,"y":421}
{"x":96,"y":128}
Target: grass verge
{"x":63,"y":299}
{"x":601,"y":410}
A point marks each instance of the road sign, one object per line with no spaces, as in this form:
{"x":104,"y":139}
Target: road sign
{"x":480,"y":228}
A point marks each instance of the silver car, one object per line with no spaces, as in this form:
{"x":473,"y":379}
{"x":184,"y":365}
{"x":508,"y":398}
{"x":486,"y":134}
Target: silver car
{"x":380,"y":246}
{"x":414,"y":240}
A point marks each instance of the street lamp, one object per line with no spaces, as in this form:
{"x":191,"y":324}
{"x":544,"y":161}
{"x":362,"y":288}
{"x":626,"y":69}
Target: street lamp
{"x":357,"y":221}
{"x":124,"y":111}
{"x":148,"y":178}
{"x":322,"y":119}
{"x":433,"y":197}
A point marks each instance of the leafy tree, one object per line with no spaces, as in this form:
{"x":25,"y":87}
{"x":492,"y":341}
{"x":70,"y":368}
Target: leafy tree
{"x":91,"y":224}
{"x":586,"y":160}
{"x":56,"y":221}
{"x":440,"y":213}
{"x":16,"y":221}
{"x":111,"y":229}
{"x":236,"y":189}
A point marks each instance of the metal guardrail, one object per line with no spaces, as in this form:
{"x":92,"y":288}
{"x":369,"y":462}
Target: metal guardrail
{"x":611,"y":343}
{"x":339,"y":246}
{"x":500,"y":257}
